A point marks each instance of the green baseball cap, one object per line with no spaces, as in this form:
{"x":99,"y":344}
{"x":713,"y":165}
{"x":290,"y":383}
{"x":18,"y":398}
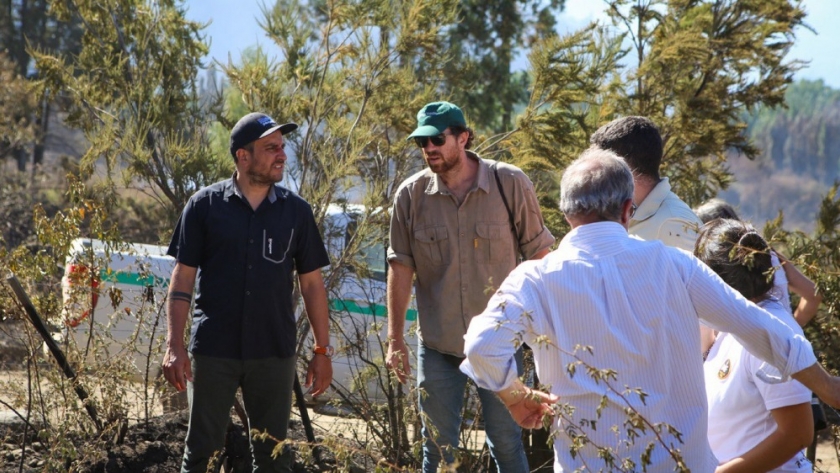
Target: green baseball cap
{"x":436,"y":117}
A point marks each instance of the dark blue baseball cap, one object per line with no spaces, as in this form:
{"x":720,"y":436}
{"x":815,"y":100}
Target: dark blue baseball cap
{"x":254,"y":126}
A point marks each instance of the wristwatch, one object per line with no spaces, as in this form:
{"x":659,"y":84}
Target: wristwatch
{"x":327,"y":351}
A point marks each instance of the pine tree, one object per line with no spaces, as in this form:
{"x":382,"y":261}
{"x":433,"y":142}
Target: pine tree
{"x":482,"y":46}
{"x":700,"y":65}
{"x":133,"y":91}
{"x":16,"y":104}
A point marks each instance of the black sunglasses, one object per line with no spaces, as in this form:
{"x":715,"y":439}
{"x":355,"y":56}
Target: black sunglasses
{"x":437,"y":140}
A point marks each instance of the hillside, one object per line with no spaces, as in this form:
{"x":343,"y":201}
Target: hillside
{"x":799,"y":160}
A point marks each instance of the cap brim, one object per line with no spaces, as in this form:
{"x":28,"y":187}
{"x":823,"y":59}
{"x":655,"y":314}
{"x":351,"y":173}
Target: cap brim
{"x":284,"y":129}
{"x":426,"y":130}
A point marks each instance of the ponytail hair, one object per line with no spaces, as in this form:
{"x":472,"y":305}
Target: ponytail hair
{"x":738,"y":254}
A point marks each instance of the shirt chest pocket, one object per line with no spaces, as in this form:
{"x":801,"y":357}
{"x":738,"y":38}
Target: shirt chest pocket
{"x":433,"y":244}
{"x":494,"y":242}
{"x":276,"y":245}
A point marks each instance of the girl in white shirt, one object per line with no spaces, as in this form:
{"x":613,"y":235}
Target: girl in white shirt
{"x":788,"y":277}
{"x":756,"y":424}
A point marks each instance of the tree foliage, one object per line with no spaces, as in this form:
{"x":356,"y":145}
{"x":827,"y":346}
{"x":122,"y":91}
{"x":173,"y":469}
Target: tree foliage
{"x":569,"y":74}
{"x":693,"y":67}
{"x":133,"y":91}
{"x":27,"y":27}
{"x":16,"y":105}
{"x":482,"y":46}
{"x":818,"y":256}
{"x":700,"y":65}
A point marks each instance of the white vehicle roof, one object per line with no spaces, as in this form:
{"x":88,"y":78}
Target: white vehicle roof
{"x":124,"y":260}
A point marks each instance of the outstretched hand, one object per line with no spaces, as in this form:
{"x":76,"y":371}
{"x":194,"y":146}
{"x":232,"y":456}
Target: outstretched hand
{"x":527,"y":406}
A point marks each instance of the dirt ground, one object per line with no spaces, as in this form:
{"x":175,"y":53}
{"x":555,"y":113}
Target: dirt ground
{"x":157,"y":446}
{"x":827,"y":460}
{"x":154,"y":447}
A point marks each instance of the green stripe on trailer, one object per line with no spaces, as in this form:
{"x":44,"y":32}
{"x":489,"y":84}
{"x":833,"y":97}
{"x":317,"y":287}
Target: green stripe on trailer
{"x":131,"y":279}
{"x":375,"y":310}
{"x":134,"y":279}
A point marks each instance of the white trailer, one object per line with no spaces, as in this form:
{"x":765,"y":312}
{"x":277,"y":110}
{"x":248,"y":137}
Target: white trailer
{"x":114,"y":305}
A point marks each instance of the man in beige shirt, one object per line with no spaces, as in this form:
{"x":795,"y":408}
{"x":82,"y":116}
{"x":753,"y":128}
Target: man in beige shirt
{"x":451,"y":227}
{"x":661,"y":214}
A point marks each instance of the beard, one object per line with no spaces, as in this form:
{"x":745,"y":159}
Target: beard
{"x":442,"y":162}
{"x":268,"y":178}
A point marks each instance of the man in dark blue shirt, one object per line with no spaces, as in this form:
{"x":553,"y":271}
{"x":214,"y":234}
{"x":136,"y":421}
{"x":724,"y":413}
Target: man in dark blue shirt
{"x":244,"y":238}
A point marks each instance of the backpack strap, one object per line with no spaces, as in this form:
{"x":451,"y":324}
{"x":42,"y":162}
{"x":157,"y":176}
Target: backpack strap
{"x":513,"y":228}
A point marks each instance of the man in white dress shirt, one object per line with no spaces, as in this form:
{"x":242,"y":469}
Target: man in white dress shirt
{"x":607,"y":301}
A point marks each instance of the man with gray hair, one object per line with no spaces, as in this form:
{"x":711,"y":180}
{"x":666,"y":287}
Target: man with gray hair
{"x":613,"y":323}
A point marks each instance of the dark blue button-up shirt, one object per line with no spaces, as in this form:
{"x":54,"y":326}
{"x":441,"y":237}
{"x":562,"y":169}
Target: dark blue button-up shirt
{"x":246,"y":261}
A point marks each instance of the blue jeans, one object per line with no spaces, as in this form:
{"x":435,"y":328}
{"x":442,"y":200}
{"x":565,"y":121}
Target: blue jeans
{"x":267,"y":394}
{"x":441,"y":397}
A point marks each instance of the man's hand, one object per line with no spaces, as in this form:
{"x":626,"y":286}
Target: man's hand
{"x":397,"y":359}
{"x":177,"y":368}
{"x":319,"y":374}
{"x":527,"y":406}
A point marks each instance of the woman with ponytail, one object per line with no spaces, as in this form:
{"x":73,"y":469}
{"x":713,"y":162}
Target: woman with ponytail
{"x":757,"y":423}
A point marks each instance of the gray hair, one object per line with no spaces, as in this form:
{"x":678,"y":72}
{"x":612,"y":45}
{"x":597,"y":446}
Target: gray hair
{"x":598,"y":182}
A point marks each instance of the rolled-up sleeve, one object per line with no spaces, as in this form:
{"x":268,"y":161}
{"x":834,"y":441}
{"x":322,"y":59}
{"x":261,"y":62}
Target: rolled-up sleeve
{"x":491,"y":341}
{"x":534,"y":236}
{"x":399,"y":247}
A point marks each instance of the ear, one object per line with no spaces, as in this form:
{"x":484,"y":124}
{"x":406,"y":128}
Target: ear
{"x":242,"y":155}
{"x":463,"y":138}
{"x":626,"y":210}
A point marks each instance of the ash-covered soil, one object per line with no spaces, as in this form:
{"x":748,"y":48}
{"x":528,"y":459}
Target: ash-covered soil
{"x":155,"y":447}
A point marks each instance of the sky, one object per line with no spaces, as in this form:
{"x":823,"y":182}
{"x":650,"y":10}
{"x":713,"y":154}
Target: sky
{"x":233,"y":28}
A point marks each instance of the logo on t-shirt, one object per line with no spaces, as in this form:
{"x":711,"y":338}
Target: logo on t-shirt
{"x":724,"y":370}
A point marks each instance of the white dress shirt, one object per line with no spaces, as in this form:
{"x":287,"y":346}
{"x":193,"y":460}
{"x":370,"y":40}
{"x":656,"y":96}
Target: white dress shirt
{"x":636,"y":304}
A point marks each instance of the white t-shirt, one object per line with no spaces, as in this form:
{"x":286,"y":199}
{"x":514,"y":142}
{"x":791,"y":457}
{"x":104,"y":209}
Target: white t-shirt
{"x":780,"y":281}
{"x":740,"y":402}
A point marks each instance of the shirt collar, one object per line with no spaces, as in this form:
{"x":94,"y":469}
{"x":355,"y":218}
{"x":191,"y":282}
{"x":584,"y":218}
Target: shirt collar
{"x":436,"y":185}
{"x":599,"y":238}
{"x":274,"y":192}
{"x":653,"y":201}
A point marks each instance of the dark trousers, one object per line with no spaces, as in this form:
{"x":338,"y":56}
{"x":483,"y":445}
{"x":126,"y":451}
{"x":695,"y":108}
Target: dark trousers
{"x":267,"y":394}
